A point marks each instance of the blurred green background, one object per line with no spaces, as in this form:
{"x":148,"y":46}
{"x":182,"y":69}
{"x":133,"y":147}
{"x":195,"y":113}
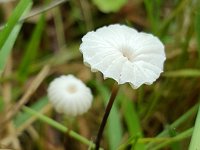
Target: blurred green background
{"x":39,"y":40}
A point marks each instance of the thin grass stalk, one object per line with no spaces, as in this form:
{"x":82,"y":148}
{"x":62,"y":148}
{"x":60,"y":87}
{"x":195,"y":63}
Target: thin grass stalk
{"x":58,"y":126}
{"x":179,"y":137}
{"x":175,"y":124}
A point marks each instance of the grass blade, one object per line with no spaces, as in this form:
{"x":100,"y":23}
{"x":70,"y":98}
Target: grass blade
{"x":153,"y":13}
{"x":195,"y":144}
{"x":32,"y":48}
{"x":183,"y":73}
{"x":23,"y":117}
{"x":197,"y":29}
{"x":132,"y":120}
{"x":179,"y":137}
{"x":57,"y":125}
{"x":176,"y":123}
{"x":9,"y":34}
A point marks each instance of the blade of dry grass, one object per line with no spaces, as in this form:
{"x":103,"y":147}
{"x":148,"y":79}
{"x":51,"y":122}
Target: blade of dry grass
{"x":35,"y":84}
{"x":7,"y":96}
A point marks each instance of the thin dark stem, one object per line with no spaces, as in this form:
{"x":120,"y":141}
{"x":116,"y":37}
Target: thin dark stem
{"x":106,"y":114}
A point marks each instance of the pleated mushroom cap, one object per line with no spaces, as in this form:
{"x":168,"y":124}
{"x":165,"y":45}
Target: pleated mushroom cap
{"x":124,"y":54}
{"x":69,"y":95}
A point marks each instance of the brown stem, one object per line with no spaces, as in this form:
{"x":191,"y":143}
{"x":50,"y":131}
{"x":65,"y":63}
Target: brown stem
{"x":105,"y":117}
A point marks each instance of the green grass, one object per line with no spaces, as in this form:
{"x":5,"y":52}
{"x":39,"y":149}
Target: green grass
{"x":10,"y":31}
{"x":158,"y":116}
{"x":32,"y":49}
{"x":194,"y":144}
{"x":132,"y":121}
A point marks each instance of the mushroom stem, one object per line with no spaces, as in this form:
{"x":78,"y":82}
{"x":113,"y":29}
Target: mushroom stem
{"x":115,"y":90}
